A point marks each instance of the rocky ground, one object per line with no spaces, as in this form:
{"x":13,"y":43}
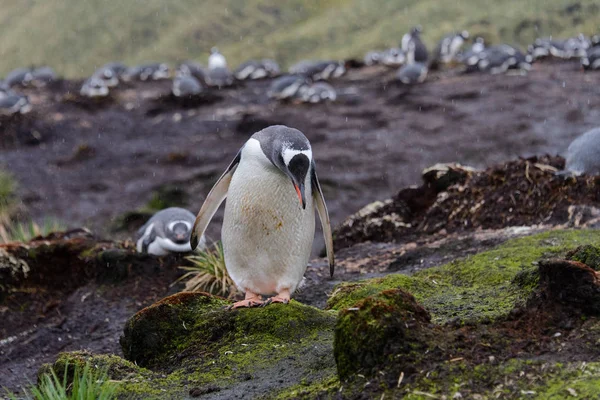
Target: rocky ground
{"x":476,"y":287}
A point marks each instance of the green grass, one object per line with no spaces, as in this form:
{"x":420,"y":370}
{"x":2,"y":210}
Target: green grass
{"x":75,"y":36}
{"x":208,"y":273}
{"x":87,"y":383}
{"x":25,"y":231}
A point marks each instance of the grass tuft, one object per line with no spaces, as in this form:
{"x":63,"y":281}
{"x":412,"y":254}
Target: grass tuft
{"x":208,"y":273}
{"x":87,"y":383}
{"x":25,"y":231}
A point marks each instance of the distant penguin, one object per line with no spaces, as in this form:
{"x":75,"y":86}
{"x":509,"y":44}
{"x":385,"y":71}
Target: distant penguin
{"x":287,"y":87}
{"x":471,"y":56}
{"x":411,"y":74}
{"x":498,"y":59}
{"x":41,"y":76}
{"x":256,"y":69}
{"x":216,"y":59}
{"x":194,"y":69}
{"x":372,"y":58}
{"x":540,"y":48}
{"x":591,"y":60}
{"x":272,"y":192}
{"x":186,"y":86}
{"x":145,"y":72}
{"x":582,"y":154}
{"x":448,"y":48}
{"x":319,"y":70}
{"x":110,"y":77}
{"x":94,"y":87}
{"x":19,"y":76}
{"x":219,"y":77}
{"x":318,"y":92}
{"x":393,"y":57}
{"x":569,"y":48}
{"x":12,"y":103}
{"x":413,"y":46}
{"x":168,"y":230}
{"x":118,"y":68}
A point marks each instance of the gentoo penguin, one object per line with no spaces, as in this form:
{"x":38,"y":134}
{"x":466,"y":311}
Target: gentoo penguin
{"x":19,"y":76}
{"x":413,"y":46}
{"x":448,"y":48}
{"x":256,"y":69}
{"x":319,"y":70}
{"x":192,"y":68}
{"x":498,"y":59}
{"x":569,"y":48}
{"x":540,"y":48}
{"x":471,"y":56}
{"x":168,"y":230}
{"x":393,"y":57}
{"x":110,"y":77}
{"x":117,"y":67}
{"x":591,"y":60}
{"x":272,"y":191}
{"x":216,"y":59}
{"x":185,"y":85}
{"x":219,"y":77}
{"x":582,"y":154}
{"x":144,"y":72}
{"x":411,"y":74}
{"x":13,"y":103}
{"x":372,"y":58}
{"x":318,"y":92}
{"x":41,"y":76}
{"x":94,"y":87}
{"x":287,"y":87}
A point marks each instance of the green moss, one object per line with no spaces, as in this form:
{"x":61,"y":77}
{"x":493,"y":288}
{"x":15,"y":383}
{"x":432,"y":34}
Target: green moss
{"x":512,"y":379}
{"x":305,"y":390}
{"x":480,"y":287}
{"x":387,"y":327}
{"x":586,"y":254}
{"x":196,"y":343}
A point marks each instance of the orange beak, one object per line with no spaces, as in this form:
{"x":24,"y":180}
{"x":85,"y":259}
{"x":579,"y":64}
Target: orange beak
{"x":300,"y":193}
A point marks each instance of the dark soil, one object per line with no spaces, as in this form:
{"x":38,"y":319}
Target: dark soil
{"x":88,"y":162}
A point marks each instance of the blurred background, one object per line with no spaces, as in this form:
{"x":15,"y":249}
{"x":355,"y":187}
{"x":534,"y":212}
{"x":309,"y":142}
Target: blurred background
{"x":76,"y":36}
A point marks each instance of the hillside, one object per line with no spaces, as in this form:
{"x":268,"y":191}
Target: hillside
{"x":75,"y":36}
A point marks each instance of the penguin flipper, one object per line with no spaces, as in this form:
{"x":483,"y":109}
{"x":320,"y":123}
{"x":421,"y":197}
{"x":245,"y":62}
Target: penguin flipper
{"x":212,"y":202}
{"x":148,"y":236}
{"x":324,"y":217}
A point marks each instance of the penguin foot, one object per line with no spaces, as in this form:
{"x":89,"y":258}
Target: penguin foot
{"x":251,"y":300}
{"x":246,"y":304}
{"x":283,"y":297}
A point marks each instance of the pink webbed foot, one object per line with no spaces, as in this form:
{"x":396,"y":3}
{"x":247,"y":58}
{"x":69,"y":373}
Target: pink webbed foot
{"x":251,"y":300}
{"x":282,"y":297}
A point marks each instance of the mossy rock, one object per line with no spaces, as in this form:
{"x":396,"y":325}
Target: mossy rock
{"x":589,"y":255}
{"x":483,"y":287}
{"x":158,"y":330}
{"x":387,"y":327}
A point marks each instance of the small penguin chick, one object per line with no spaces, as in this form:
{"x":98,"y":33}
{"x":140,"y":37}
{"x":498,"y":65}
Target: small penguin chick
{"x":272,"y":191}
{"x":168,"y":231}
{"x":411,"y":74}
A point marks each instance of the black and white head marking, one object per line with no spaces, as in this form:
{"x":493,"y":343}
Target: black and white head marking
{"x":288,"y":150}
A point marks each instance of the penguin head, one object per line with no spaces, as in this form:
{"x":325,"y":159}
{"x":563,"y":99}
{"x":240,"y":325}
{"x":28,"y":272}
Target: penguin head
{"x":288,"y":150}
{"x":416,"y":30}
{"x":214,"y":50}
{"x":464,"y":35}
{"x":179,"y":232}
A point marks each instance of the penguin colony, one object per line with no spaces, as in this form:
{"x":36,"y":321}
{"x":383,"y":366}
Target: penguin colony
{"x":307,"y":80}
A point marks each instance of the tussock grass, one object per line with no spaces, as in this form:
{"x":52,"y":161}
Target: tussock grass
{"x":87,"y":383}
{"x":76,"y":36}
{"x":208,"y":273}
{"x":25,"y":231}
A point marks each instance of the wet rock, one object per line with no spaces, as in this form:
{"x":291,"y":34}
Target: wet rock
{"x":570,"y":283}
{"x":388,"y":327}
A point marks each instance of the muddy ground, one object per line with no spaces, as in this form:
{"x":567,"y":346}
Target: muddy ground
{"x":88,"y":164}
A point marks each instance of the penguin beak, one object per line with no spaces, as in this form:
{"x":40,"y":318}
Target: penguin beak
{"x":300,"y":192}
